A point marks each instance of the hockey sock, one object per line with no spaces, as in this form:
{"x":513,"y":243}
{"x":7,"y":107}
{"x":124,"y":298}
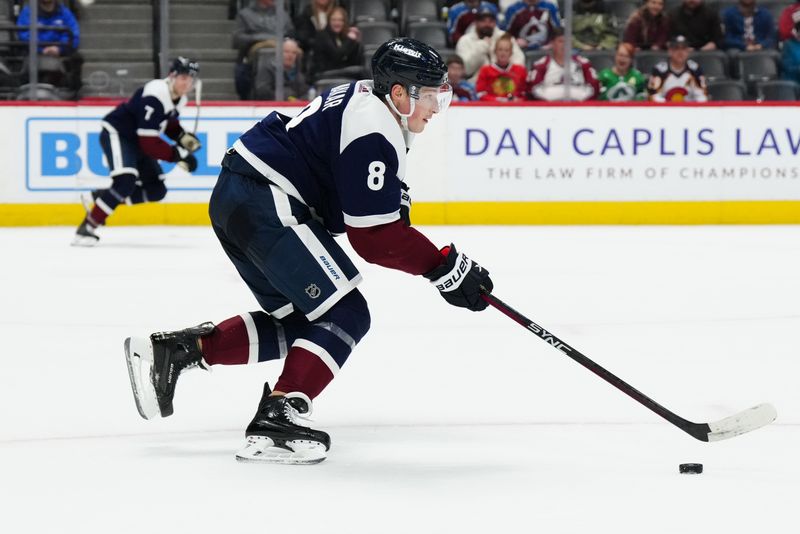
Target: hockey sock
{"x":321,"y":349}
{"x":248,"y":338}
{"x":106,"y":202}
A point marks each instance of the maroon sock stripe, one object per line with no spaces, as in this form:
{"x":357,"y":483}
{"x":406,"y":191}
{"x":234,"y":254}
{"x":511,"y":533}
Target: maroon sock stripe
{"x":304,"y":371}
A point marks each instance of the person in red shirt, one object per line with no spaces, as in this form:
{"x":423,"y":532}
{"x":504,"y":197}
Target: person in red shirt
{"x":787,"y":20}
{"x":546,"y":77}
{"x":502,"y":81}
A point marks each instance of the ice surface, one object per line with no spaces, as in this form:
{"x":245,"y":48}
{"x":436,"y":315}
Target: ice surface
{"x":442,"y":420}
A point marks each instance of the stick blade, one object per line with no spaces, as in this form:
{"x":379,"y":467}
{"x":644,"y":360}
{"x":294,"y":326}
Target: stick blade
{"x":742,"y":422}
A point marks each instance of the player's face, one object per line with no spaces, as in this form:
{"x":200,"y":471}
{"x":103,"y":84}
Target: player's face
{"x":432,"y":100}
{"x":182,"y":84}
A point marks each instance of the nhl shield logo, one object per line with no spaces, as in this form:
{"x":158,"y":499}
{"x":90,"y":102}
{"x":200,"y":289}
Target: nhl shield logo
{"x":313,"y":291}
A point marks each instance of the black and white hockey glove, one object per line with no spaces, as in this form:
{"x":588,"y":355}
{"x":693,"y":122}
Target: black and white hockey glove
{"x":405,"y":204}
{"x":460,"y":280}
{"x":184,"y":159}
{"x":190,"y":142}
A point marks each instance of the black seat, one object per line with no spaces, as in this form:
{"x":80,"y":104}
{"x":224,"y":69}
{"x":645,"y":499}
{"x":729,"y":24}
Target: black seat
{"x":727,"y":90}
{"x":784,"y":90}
{"x":713,"y":62}
{"x":757,"y":66}
{"x":377,"y":33}
{"x":368,"y":11}
{"x":532,"y":56}
{"x":431,"y":33}
{"x":645,"y":60}
{"x":621,"y":10}
{"x":323,"y":84}
{"x":418,"y":11}
{"x":600,"y":59}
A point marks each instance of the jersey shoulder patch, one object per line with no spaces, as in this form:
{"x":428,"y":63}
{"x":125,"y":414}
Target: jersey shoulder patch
{"x":661,"y":67}
{"x":365,"y":114}
{"x":160,"y":90}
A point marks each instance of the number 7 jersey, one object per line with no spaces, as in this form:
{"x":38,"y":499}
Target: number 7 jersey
{"x":343,"y":155}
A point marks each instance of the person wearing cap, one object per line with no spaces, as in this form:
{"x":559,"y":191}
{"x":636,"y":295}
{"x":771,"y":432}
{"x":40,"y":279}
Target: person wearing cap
{"x":679,"y":79}
{"x":477,"y":46}
{"x":748,"y":27}
{"x":133,"y":144}
{"x":546,"y":78}
{"x":698,"y":22}
{"x":532,"y":22}
{"x":461,"y":17}
{"x":648,"y":27}
{"x":790,"y":57}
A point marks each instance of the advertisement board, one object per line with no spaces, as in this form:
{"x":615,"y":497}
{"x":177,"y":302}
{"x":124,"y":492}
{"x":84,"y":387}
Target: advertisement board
{"x":474,"y":164}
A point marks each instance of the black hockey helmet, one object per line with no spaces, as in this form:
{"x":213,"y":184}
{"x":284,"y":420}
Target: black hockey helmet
{"x":183,"y":65}
{"x":407,"y":62}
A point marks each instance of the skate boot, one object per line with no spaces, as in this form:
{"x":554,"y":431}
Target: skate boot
{"x":85,"y":235}
{"x":276,"y":436}
{"x":156,"y":362}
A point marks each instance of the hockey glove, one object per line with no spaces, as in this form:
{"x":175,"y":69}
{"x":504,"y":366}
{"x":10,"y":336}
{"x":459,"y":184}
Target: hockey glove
{"x":405,"y":204}
{"x":460,"y":280}
{"x":185,"y":160}
{"x":190,"y":142}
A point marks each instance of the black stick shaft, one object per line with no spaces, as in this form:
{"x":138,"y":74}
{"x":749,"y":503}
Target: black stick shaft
{"x":699,"y":431}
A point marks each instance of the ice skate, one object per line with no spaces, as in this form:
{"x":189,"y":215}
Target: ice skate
{"x":276,"y":436}
{"x":156,"y":362}
{"x":85,"y":236}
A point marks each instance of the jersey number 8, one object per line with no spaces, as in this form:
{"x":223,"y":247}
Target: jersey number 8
{"x":375,"y":177}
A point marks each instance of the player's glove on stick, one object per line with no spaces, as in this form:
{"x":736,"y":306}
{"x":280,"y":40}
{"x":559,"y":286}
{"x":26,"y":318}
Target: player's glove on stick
{"x":190,"y":142}
{"x":405,"y":204}
{"x":459,"y":280}
{"x":185,"y":160}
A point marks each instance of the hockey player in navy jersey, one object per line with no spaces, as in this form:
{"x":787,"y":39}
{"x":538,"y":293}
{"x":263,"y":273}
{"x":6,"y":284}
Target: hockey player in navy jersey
{"x":131,"y":141}
{"x":287,"y":187}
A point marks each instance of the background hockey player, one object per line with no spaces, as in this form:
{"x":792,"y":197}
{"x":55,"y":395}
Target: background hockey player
{"x":287,"y":186}
{"x":131,"y":141}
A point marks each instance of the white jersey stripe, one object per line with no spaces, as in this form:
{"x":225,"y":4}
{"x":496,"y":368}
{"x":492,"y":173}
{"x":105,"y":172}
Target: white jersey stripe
{"x":323,"y":354}
{"x":282,"y":206}
{"x":252,"y":338}
{"x":268,"y":172}
{"x":283,"y":311}
{"x":366,"y":221}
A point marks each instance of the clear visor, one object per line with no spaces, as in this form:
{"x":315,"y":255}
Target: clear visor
{"x":435,"y":99}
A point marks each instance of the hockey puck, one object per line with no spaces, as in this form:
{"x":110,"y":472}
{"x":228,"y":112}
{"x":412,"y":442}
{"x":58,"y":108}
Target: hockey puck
{"x":690,"y":469}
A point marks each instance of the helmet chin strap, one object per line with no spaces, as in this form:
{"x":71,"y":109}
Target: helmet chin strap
{"x":403,"y":116}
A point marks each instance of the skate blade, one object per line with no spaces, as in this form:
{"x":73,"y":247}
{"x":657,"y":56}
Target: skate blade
{"x":139,"y":357}
{"x":260,"y":449}
{"x":84,"y":241}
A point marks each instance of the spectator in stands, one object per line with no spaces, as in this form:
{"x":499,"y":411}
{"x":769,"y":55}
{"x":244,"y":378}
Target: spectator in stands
{"x":532,"y":22}
{"x":748,"y":27}
{"x":546,"y":78}
{"x":786,"y":21}
{"x":338,"y":45}
{"x":462,"y":15}
{"x":501,"y":80}
{"x":679,"y":79}
{"x":294,"y":83}
{"x":312,"y":19}
{"x":463,"y":91}
{"x":592,"y":27}
{"x":257,"y":26}
{"x":56,"y":44}
{"x":790,"y":59}
{"x":648,"y":27}
{"x":697,"y":22}
{"x":476,"y":47}
{"x":621,"y":82}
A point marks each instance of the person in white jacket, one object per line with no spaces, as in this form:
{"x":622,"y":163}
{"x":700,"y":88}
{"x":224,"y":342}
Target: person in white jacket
{"x":476,"y":46}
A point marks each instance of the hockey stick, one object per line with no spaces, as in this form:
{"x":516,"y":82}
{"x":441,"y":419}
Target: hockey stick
{"x":737,"y":424}
{"x":198,"y":90}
